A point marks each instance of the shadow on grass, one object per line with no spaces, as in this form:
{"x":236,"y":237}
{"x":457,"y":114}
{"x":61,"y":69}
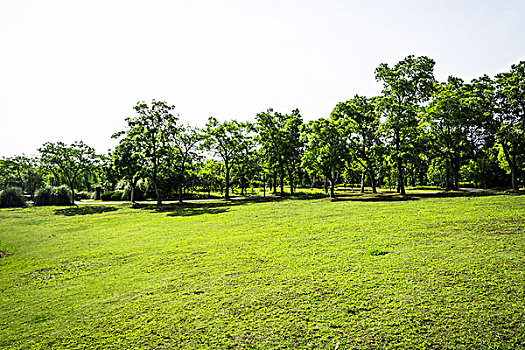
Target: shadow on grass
{"x":213,"y":206}
{"x":375,"y":198}
{"x":221,"y":206}
{"x":189,"y":209}
{"x":85,"y":210}
{"x":395,"y":197}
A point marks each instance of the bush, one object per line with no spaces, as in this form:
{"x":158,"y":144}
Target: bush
{"x":112,"y":196}
{"x":60,"y":195}
{"x":12,"y":197}
{"x":139,"y":196}
{"x":86,"y":194}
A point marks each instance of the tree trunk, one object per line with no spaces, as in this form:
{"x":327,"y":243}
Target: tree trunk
{"x":264,"y":185}
{"x":275,"y":183}
{"x":157,"y":193}
{"x":400,"y":177}
{"x":291,"y":179}
{"x":132,"y":194}
{"x":227,"y":190}
{"x":363,"y":176}
{"x":514,"y":173}
{"x":72,"y":194}
{"x":281,"y":178}
{"x":332,"y":187}
{"x":447,"y":175}
{"x":372,"y":179}
{"x":512,"y":165}
{"x":455,"y":173}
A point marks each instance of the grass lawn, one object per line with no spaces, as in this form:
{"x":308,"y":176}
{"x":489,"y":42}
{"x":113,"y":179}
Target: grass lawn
{"x":365,"y":272}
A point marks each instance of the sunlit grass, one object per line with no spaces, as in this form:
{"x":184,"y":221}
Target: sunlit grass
{"x":361,"y":271}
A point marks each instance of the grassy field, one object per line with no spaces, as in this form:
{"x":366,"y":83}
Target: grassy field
{"x":361,"y":272}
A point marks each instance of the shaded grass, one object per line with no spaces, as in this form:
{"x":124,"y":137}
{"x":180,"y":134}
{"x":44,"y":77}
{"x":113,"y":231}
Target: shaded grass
{"x":279,"y":273}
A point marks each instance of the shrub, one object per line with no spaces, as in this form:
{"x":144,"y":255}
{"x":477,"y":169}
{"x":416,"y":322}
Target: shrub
{"x":112,"y":195}
{"x":60,"y":195}
{"x":12,"y":197}
{"x":85,"y":194}
{"x":139,"y":196}
{"x":377,"y":252}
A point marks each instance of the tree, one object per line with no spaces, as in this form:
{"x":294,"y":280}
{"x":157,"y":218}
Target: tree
{"x":406,"y":86}
{"x":280,"y":136}
{"x":209,"y":175}
{"x":68,"y":162}
{"x":294,"y":146}
{"x":185,"y":146}
{"x":361,"y":123}
{"x":126,"y":159}
{"x":151,"y":132}
{"x":451,"y":128}
{"x":326,"y":149}
{"x":509,"y":118}
{"x":21,"y":171}
{"x":225,"y":140}
{"x":247,"y":165}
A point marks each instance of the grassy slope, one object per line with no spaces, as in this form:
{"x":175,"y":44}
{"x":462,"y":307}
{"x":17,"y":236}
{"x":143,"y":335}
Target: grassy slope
{"x":288,"y":274}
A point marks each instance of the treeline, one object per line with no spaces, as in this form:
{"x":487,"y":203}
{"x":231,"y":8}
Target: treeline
{"x":418,"y":132}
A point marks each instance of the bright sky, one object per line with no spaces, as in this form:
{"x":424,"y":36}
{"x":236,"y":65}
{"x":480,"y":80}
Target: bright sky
{"x":73,"y":70}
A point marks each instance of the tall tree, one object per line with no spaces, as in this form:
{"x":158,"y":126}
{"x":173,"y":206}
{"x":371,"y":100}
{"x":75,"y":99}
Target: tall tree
{"x":247,"y":165}
{"x":21,"y":171}
{"x":450,"y":122}
{"x":68,"y":162}
{"x":326,"y":149}
{"x":406,"y":86}
{"x":280,"y":136}
{"x":152,"y":131}
{"x":185,"y":147}
{"x":294,"y":146}
{"x":509,"y":121}
{"x":361,"y":120}
{"x":126,"y":159}
{"x":225,"y":140}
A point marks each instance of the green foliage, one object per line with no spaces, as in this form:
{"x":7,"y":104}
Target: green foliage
{"x":360,"y":119}
{"x":21,"y":171}
{"x":184,"y":153}
{"x":137,"y":196}
{"x":452,"y":129}
{"x":378,"y":252}
{"x":60,"y":195}
{"x":68,"y":162}
{"x":210,"y":174}
{"x":282,"y":145}
{"x":406,"y":87}
{"x":112,"y":196}
{"x":86,"y":194}
{"x":147,"y":143}
{"x":227,"y":140}
{"x":326,"y":149}
{"x":12,"y":197}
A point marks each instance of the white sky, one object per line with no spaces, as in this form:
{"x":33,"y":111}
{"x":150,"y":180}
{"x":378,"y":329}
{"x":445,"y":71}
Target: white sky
{"x":73,"y":70}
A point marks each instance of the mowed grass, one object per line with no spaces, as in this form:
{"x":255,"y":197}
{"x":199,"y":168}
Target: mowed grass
{"x":367,"y":272}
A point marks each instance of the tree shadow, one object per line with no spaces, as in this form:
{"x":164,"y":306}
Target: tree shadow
{"x":222,"y":206}
{"x":85,"y":210}
{"x":188,"y":209}
{"x":395,"y":197}
{"x":379,"y":197}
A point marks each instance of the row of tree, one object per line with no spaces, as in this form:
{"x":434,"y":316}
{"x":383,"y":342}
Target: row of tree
{"x":418,"y":131}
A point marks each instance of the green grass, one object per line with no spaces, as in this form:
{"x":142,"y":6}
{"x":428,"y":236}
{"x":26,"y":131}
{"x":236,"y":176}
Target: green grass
{"x":366,"y":272}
